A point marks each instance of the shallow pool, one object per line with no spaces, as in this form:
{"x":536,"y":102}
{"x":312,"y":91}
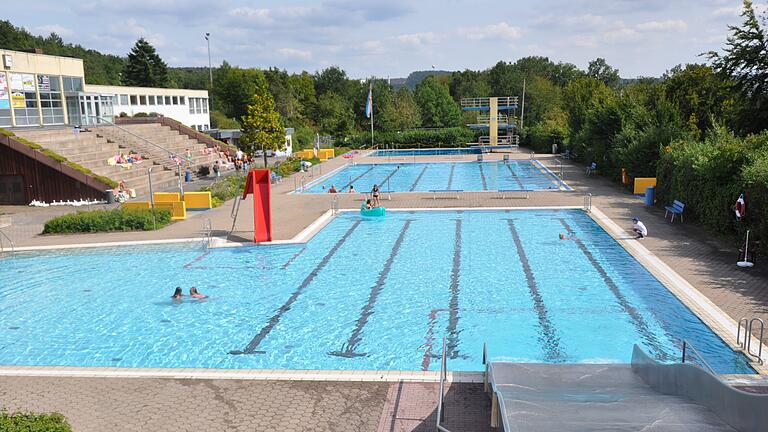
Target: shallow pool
{"x":362,"y":294}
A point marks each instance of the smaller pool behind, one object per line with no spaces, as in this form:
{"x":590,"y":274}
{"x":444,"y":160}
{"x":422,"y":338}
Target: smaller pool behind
{"x":425,"y":177}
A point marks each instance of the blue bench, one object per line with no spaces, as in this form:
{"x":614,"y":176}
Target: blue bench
{"x":676,"y":209}
{"x":436,"y":191}
{"x":504,"y":192}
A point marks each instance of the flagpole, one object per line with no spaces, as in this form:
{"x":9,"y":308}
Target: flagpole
{"x":371,"y":90}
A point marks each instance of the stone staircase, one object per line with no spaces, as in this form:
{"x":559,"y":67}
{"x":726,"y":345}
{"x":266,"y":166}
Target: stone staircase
{"x":91,"y":149}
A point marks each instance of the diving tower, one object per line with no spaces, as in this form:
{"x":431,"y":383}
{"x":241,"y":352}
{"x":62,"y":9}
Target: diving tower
{"x":489,"y":117}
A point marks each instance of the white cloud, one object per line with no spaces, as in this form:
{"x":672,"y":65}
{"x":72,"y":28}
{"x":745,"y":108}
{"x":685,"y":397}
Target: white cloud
{"x":417,"y":38}
{"x":673,"y":25}
{"x":500,"y":31}
{"x":54,"y":28}
{"x":724,"y":11}
{"x":294,"y":53}
{"x":621,"y":34}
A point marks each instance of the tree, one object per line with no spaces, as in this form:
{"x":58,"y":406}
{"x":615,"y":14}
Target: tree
{"x":600,"y":70}
{"x":746,"y":61}
{"x":437,"y":107}
{"x":401,"y":113}
{"x":582,"y":95}
{"x":700,"y":94}
{"x":144,"y":67}
{"x":261,"y":126}
{"x":332,"y":80}
{"x":469,"y":84}
{"x":234,"y":89}
{"x":333,"y":115}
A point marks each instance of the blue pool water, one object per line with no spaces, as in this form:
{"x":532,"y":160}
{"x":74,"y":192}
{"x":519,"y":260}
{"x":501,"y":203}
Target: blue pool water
{"x":424,"y":177}
{"x":426,"y":152}
{"x":362,"y":294}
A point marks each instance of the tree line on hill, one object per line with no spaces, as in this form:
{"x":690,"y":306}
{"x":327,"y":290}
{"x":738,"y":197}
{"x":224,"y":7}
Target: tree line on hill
{"x":700,"y":128}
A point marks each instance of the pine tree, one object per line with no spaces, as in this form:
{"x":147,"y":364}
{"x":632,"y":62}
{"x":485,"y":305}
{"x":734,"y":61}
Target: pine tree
{"x":144,"y":67}
{"x":261,"y":126}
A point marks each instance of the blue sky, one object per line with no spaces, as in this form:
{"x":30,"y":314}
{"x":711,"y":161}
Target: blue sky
{"x":394,"y":37}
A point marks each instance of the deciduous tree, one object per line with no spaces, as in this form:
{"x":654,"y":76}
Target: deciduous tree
{"x":261,"y":126}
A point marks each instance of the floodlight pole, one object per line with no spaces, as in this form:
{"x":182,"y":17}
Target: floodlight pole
{"x":522,"y":108}
{"x":210,"y":70}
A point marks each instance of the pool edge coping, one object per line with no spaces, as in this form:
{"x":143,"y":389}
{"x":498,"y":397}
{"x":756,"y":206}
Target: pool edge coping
{"x":705,"y":309}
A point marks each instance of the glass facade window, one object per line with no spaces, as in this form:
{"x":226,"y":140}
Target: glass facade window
{"x":24,"y":99}
{"x":142,"y":100}
{"x":205,"y":107}
{"x":5,"y":100}
{"x":151,"y":99}
{"x":123,"y":100}
{"x":160,"y":100}
{"x":73,"y":84}
{"x":181,"y":100}
{"x":175,"y":100}
{"x":134,"y":100}
{"x":192,"y":102}
{"x":167,"y":100}
{"x":50,"y":99}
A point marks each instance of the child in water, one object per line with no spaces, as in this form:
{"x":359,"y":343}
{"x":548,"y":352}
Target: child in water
{"x":194,"y":294}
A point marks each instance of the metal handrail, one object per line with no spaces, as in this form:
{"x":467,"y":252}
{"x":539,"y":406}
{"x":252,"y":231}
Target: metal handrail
{"x":443,"y":376}
{"x":335,"y":204}
{"x":747,"y":343}
{"x":234,"y":212}
{"x":207,"y":233}
{"x":2,"y":249}
{"x":686,"y":346}
{"x":170,"y":153}
{"x":588,"y":202}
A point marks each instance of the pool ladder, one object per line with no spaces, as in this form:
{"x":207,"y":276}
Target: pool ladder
{"x":746,"y":344}
{"x":335,"y":205}
{"x":207,"y":234}
{"x":3,"y":248}
{"x":588,"y":202}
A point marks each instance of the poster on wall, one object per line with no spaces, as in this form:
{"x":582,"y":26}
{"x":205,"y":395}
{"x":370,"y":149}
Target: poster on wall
{"x":44,"y":83}
{"x":19,"y":101}
{"x":16,"y":82}
{"x":28,"y":81}
{"x":5,"y":102}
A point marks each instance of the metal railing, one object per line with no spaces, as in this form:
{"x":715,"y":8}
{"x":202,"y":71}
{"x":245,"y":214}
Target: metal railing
{"x":687,"y":346}
{"x":441,"y":401}
{"x":746,"y":344}
{"x":484,"y":102}
{"x":335,"y":204}
{"x":588,"y":202}
{"x":234,"y":212}
{"x":169,"y":152}
{"x":2,"y":246}
{"x":207,"y":233}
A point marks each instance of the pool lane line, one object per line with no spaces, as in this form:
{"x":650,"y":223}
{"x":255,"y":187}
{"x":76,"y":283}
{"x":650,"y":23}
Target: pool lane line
{"x":418,"y":179}
{"x":293,"y":258}
{"x":450,"y":176}
{"x":453,"y":305}
{"x":254,"y":343}
{"x":549,"y":338}
{"x":637,"y":319}
{"x":514,"y":176}
{"x":189,"y":265}
{"x":350,"y":348}
{"x":383,"y":182}
{"x":429,"y":339}
{"x":482,"y":176}
{"x":357,"y":178}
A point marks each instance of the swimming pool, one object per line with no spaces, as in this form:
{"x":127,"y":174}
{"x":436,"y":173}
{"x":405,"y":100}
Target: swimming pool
{"x":424,"y":177}
{"x":362,"y":294}
{"x":426,"y":152}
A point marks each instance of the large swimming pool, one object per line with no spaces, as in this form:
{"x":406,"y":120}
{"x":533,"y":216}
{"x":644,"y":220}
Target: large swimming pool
{"x":362,"y":294}
{"x":426,"y":152}
{"x":425,"y":177}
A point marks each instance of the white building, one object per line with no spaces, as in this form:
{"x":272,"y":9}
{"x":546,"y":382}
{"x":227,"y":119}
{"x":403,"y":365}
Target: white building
{"x":40,"y":90}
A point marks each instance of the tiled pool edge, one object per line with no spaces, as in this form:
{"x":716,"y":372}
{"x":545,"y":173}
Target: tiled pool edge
{"x":706,"y":310}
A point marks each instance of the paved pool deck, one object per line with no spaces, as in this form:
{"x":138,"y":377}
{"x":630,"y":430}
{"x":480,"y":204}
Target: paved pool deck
{"x":151,"y":404}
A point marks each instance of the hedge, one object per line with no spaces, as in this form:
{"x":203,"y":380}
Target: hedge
{"x":30,"y":422}
{"x":108,"y":220}
{"x":448,"y":137}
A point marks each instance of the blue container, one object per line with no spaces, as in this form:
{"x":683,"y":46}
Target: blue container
{"x":649,"y":196}
{"x":188,"y":176}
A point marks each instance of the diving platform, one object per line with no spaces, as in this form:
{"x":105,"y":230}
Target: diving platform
{"x":503,"y":121}
{"x":484,"y":103}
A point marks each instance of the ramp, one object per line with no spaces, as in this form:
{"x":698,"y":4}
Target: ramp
{"x":589,"y":397}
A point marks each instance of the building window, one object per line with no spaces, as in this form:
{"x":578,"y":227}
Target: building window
{"x":151,"y":99}
{"x":167,"y":100}
{"x":123,"y":100}
{"x":175,"y":100}
{"x":205,"y":105}
{"x":181,"y":100}
{"x":73,"y":84}
{"x":205,"y":127}
{"x":134,"y":100}
{"x":5,"y":101}
{"x":142,"y":100}
{"x":159,"y":100}
{"x":24,"y":100}
{"x":192,"y":102}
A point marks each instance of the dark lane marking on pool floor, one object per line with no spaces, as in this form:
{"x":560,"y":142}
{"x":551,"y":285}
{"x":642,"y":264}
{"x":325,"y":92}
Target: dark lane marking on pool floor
{"x":482,"y":176}
{"x":548,"y":338}
{"x":350,"y":348}
{"x":189,"y":265}
{"x":429,"y":339}
{"x":640,"y":325}
{"x":514,"y":176}
{"x":383,"y":182}
{"x":453,"y":305}
{"x":293,"y":258}
{"x":450,"y":176}
{"x":251,"y":347}
{"x":418,"y":179}
{"x":352,"y":181}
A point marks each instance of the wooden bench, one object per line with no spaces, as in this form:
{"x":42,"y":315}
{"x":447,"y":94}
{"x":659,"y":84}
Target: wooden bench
{"x":504,"y":192}
{"x":436,"y":191}
{"x":676,"y":209}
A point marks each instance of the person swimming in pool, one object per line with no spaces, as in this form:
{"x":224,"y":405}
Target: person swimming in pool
{"x":178,"y":294}
{"x":568,"y":237}
{"x":195,"y":294}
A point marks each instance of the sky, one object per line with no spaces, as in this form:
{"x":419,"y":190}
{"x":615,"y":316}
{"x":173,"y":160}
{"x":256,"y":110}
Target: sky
{"x":395,"y":37}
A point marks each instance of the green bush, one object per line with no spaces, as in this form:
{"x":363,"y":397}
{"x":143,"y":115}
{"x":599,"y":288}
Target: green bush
{"x":225,"y":188}
{"x":108,"y":220}
{"x":29,"y":422}
{"x":448,"y":137}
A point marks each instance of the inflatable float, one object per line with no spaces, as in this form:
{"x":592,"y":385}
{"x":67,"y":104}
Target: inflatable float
{"x":374,"y":212}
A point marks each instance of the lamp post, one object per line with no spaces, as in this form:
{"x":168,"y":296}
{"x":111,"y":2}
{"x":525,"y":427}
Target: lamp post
{"x":210,"y":70}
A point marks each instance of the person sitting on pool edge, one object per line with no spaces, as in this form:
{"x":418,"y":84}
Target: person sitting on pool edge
{"x":195,"y":294}
{"x":352,"y":189}
{"x":178,"y":294}
{"x":639,"y":228}
{"x":332,"y":189}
